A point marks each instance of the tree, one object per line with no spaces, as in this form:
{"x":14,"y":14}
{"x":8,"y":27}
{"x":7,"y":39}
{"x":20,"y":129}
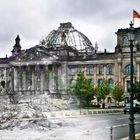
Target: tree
{"x":136,"y":89}
{"x":97,"y":94}
{"x":118,"y":93}
{"x":83,"y":90}
{"x":102,"y":91}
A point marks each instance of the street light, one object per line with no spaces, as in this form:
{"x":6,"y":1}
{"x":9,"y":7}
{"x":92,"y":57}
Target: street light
{"x":131,"y":118}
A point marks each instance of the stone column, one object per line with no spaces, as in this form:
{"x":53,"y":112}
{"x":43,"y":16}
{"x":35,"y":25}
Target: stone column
{"x":64,"y":77}
{"x":116,"y":72}
{"x":59,"y":78}
{"x":46,"y":78}
{"x":20,"y":78}
{"x":119,"y":72}
{"x":95,"y":76}
{"x":37,"y":78}
{"x":42,"y":79}
{"x":125,"y":85}
{"x":33,"y":78}
{"x":5,"y":75}
{"x":56,"y":77}
{"x":11,"y":78}
{"x":24,"y":78}
{"x":51,"y":78}
{"x":15,"y":79}
{"x":105,"y":71}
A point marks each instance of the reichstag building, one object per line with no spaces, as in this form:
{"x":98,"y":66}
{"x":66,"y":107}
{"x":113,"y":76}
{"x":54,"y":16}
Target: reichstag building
{"x":50,"y":66}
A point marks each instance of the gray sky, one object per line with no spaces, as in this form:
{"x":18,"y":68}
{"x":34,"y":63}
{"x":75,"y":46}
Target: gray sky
{"x":34,"y":19}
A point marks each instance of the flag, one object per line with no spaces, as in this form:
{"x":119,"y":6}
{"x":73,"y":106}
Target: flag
{"x":136,"y":14}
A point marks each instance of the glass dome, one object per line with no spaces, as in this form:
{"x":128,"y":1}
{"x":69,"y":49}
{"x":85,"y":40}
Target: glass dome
{"x":66,"y":35}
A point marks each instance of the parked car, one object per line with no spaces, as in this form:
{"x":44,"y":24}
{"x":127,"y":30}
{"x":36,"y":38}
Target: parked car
{"x":136,"y":108}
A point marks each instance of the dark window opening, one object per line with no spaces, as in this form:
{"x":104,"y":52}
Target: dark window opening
{"x":109,"y":99}
{"x":3,"y":84}
{"x":50,"y":67}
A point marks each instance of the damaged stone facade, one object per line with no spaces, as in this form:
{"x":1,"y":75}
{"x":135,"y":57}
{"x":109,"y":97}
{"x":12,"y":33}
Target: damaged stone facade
{"x":53,"y":64}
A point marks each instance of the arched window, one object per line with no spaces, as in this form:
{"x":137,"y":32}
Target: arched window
{"x":111,"y":82}
{"x":127,"y":70}
{"x":100,"y":81}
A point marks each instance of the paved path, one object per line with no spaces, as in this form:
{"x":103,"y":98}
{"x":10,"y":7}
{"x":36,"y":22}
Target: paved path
{"x":137,"y":137}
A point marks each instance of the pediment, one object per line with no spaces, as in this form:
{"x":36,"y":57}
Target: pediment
{"x":37,"y":54}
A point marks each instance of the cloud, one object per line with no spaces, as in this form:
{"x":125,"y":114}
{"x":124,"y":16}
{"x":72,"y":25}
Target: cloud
{"x":34,"y":19}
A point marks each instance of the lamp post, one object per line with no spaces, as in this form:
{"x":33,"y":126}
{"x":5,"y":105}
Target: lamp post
{"x":131,"y":118}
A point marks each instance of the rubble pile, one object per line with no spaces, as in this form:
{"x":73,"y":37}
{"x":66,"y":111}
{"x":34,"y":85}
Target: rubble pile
{"x":40,"y":124}
{"x":28,"y":112}
{"x":44,"y":103}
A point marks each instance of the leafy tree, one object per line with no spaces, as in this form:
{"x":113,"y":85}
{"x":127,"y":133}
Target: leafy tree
{"x":118,"y":93}
{"x":83,"y":90}
{"x":97,"y":94}
{"x":136,"y":89}
{"x":102,"y":91}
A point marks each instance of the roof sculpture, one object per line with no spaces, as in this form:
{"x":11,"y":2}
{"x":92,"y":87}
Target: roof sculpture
{"x":17,"y":46}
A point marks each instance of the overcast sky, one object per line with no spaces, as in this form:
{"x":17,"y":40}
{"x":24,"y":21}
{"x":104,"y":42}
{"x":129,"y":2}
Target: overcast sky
{"x":34,"y":19}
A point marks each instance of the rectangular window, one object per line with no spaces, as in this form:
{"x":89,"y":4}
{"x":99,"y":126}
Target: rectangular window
{"x":71,"y":71}
{"x":89,"y":70}
{"x":110,"y":70}
{"x":91,"y":82}
{"x":100,"y":69}
{"x":71,"y":81}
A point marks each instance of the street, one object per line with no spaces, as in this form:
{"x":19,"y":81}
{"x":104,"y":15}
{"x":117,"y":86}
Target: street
{"x":95,"y":127}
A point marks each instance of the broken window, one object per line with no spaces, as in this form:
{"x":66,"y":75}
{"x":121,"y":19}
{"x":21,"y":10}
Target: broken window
{"x":3,"y":84}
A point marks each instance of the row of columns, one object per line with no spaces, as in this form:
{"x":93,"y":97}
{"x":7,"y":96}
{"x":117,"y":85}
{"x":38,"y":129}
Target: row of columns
{"x":44,"y":78}
{"x":40,"y":78}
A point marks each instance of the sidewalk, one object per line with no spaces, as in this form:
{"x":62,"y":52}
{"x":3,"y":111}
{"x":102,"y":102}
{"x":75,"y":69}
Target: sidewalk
{"x":78,"y":113}
{"x":137,"y":137}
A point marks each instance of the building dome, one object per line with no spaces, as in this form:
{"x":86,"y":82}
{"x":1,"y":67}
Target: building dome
{"x":67,"y":35}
